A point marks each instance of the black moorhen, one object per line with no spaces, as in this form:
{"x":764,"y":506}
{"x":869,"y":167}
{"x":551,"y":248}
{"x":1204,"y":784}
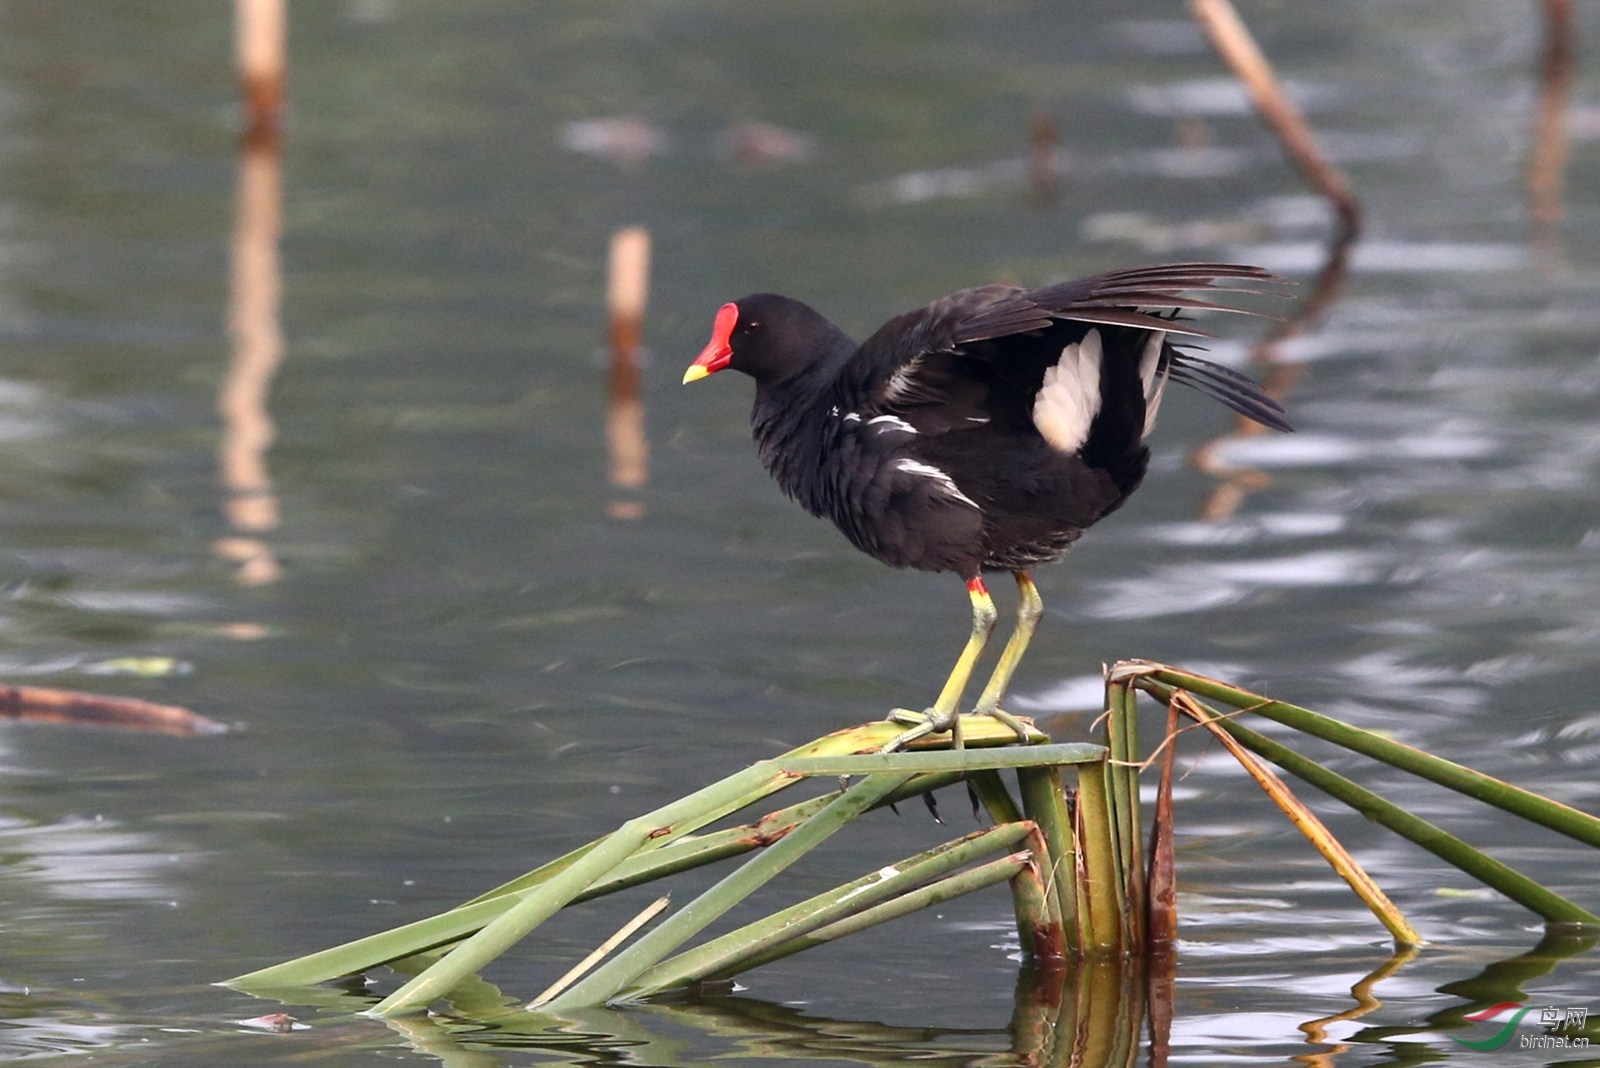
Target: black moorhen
{"x":984,"y":432}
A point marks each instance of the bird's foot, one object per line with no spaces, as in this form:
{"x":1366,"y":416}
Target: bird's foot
{"x":922,"y":724}
{"x":1008,"y":719}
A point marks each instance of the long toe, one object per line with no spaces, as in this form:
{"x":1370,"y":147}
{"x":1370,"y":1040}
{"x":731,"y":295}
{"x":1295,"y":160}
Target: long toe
{"x":1021,"y":729}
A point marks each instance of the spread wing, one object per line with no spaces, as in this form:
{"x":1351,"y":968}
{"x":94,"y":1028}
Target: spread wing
{"x":980,"y":354}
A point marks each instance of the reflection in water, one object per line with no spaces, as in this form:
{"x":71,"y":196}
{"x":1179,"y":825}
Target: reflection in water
{"x":251,"y":507}
{"x":1090,"y":1014}
{"x":627,"y":293}
{"x":92,"y":859}
{"x":1316,"y":1031}
{"x":625,"y":139}
{"x":1044,"y":158}
{"x":1109,"y":1012}
{"x":1237,"y":483}
{"x":1547,"y":158}
{"x":1501,"y":981}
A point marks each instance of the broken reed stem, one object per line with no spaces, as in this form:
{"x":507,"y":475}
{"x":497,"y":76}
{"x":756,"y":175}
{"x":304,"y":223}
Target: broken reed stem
{"x":1238,"y":49}
{"x":1044,"y":802}
{"x":1122,"y":738}
{"x":1161,"y":680}
{"x":1306,"y":821}
{"x":1161,"y":886}
{"x":1447,"y":847}
{"x":260,"y":38}
{"x":1038,"y":910}
{"x":37,"y":704}
{"x":670,"y":849}
{"x":511,"y":926}
{"x":1099,"y":888}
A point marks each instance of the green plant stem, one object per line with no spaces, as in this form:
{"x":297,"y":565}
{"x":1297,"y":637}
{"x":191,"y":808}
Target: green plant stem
{"x":1038,"y":911}
{"x":528,"y":912}
{"x":444,"y":929}
{"x":1122,"y":736}
{"x":604,"y":983}
{"x":819,"y":911}
{"x":964,"y":760}
{"x":1046,"y":805}
{"x":1447,"y":847}
{"x":1564,"y":819}
{"x":1100,"y":883}
{"x":996,"y":871}
{"x":462,"y":962}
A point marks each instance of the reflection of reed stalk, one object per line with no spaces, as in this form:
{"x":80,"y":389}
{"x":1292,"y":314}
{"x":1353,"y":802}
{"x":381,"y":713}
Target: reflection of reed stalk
{"x":1234,"y":484}
{"x":627,"y":293}
{"x":1233,"y":42}
{"x":247,"y":431}
{"x":1548,"y":157}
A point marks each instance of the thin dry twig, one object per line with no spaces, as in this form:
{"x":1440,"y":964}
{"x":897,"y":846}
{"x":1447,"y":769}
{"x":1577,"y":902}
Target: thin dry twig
{"x":603,"y":950}
{"x":1306,"y":821}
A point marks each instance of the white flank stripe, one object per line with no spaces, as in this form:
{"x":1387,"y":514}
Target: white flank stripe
{"x":948,"y":484}
{"x":852,"y":417}
{"x":886,"y":423}
{"x":1069,"y":398}
{"x":1154,"y":388}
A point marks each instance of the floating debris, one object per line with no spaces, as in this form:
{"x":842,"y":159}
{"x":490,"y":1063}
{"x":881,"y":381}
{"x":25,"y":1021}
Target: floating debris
{"x":144,"y":667}
{"x":621,"y":138}
{"x":279,"y":1022}
{"x":764,"y":143}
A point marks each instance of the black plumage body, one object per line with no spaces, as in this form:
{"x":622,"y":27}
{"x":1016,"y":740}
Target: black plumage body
{"x":989,"y":429}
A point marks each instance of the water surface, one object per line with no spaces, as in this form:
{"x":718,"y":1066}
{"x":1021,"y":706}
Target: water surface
{"x":463,"y":663}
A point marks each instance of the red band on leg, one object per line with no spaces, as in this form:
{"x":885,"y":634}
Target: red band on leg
{"x":977,"y":586}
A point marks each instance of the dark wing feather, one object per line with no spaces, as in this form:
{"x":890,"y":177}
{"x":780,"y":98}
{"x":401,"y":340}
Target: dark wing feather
{"x":1238,"y":391}
{"x":915,"y":359}
{"x":1123,"y":292}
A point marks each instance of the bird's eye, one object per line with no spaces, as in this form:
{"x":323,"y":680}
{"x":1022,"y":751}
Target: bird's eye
{"x":752,"y":326}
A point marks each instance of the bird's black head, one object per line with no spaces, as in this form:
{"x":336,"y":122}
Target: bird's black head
{"x":766,"y":336}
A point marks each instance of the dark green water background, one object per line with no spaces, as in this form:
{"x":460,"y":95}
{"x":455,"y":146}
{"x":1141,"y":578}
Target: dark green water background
{"x":466,"y":665}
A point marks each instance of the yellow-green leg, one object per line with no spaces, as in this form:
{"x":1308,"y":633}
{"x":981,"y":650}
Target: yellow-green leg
{"x":945,"y":713}
{"x":1030,"y":606}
